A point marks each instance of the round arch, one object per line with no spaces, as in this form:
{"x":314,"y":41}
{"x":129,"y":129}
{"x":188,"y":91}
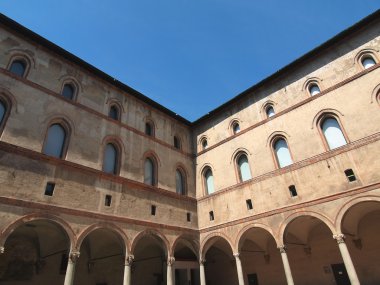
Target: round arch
{"x":209,"y":240}
{"x":7,"y":231}
{"x":190,"y":241}
{"x":348,"y":205}
{"x":292,"y":217}
{"x":150,"y":232}
{"x":245,"y":229}
{"x":112,"y":227}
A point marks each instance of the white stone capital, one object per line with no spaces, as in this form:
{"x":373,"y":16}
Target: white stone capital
{"x":2,"y":249}
{"x":170,"y":260}
{"x":339,"y":238}
{"x":129,"y":260}
{"x":282,"y":249}
{"x":202,"y":261}
{"x":237,"y":255}
{"x":74,"y":255}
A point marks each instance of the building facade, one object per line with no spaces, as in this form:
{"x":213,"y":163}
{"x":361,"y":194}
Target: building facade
{"x":101,"y":185}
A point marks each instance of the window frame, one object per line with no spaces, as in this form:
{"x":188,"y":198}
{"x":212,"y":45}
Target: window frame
{"x":237,"y":167}
{"x":178,"y":141}
{"x":67,"y":128}
{"x":184,"y":180}
{"x":20,"y":57}
{"x":233,"y":124}
{"x":8,"y":108}
{"x":152,"y":128}
{"x":320,"y":121}
{"x":117,"y":163}
{"x":310,"y":85}
{"x":368,"y":52}
{"x":274,"y":140}
{"x":204,"y":180}
{"x":154,"y":161}
{"x":73,"y":86}
{"x":118,"y":112}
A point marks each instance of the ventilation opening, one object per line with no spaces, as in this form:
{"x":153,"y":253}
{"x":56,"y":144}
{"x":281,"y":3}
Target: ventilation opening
{"x":188,"y":217}
{"x":249,"y":204}
{"x":108,"y":200}
{"x":49,"y":189}
{"x":350,"y":175}
{"x":153,"y":210}
{"x":211,"y":214}
{"x":293,"y":191}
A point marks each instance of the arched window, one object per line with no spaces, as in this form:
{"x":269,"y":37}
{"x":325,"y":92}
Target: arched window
{"x":243,"y":167}
{"x":333,"y":133}
{"x":282,"y":153}
{"x":3,"y":110}
{"x":208,"y":181}
{"x":235,"y":128}
{"x":314,"y":89}
{"x":55,"y":141}
{"x":269,"y":111}
{"x":150,"y":172}
{"x":149,"y":129}
{"x":114,"y":113}
{"x":368,"y":61}
{"x":204,"y":143}
{"x":18,"y":67}
{"x":177,"y":142}
{"x":111,"y":159}
{"x":180,"y":182}
{"x":68,"y":91}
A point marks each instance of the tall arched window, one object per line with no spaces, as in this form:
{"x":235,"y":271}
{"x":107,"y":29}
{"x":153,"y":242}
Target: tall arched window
{"x":208,"y":181}
{"x":314,"y":89}
{"x":111,"y":159}
{"x":270,"y":111}
{"x":68,"y":91}
{"x":204,"y":143}
{"x":368,"y":61}
{"x":282,"y":153}
{"x":235,"y":127}
{"x":243,"y":167}
{"x":18,"y":67}
{"x":180,"y":182}
{"x":55,"y":141}
{"x":333,"y":133}
{"x":150,"y":172}
{"x":114,"y":113}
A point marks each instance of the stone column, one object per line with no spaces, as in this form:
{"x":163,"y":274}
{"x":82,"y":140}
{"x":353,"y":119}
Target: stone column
{"x":239,"y":268}
{"x":127,"y":269}
{"x":169,"y":271}
{"x":202,"y":271}
{"x":69,"y":277}
{"x":285,"y":261}
{"x":347,"y":259}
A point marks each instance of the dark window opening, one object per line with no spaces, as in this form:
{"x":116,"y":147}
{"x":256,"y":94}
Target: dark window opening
{"x":204,"y":144}
{"x":177,"y":143}
{"x":18,"y":67}
{"x":68,"y":91}
{"x":293,"y":191}
{"x":49,"y":189}
{"x":64,"y":262}
{"x":153,"y":210}
{"x":148,"y":129}
{"x":211,"y":215}
{"x":108,"y":200}
{"x":249,"y":204}
{"x":188,"y":217}
{"x":114,"y":113}
{"x":350,"y":175}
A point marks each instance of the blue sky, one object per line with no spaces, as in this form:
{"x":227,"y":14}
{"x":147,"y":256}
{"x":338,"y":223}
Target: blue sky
{"x":189,"y":55}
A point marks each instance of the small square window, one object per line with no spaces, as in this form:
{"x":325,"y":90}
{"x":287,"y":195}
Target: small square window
{"x":49,"y":189}
{"x":211,"y":214}
{"x":153,"y":210}
{"x":249,"y":204}
{"x":108,"y":200}
{"x":293,"y":191}
{"x":350,"y":175}
{"x":188,"y":217}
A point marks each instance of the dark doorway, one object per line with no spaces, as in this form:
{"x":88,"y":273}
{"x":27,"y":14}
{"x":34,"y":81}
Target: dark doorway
{"x":340,"y":274}
{"x":252,"y":279}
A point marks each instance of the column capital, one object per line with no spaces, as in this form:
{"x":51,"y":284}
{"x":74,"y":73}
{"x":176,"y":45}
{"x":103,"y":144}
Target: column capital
{"x":282,"y":248}
{"x":129,"y":260}
{"x":2,"y":249}
{"x":339,"y":238}
{"x":237,"y":255}
{"x":170,"y":260}
{"x":74,"y":255}
{"x":202,"y":261}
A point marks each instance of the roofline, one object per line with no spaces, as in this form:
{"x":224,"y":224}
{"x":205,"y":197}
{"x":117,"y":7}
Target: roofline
{"x":291,"y":66}
{"x":97,"y":72}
